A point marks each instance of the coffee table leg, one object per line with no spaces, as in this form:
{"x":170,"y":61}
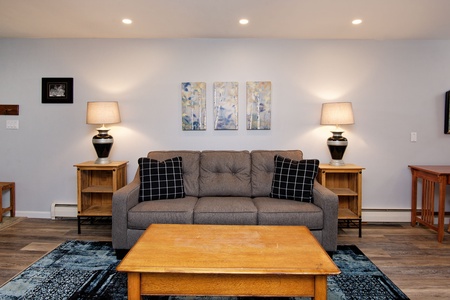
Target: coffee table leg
{"x":134,"y":286}
{"x":320,"y":290}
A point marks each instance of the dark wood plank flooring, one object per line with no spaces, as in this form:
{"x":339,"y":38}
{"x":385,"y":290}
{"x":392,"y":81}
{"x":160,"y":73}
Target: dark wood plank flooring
{"x":411,"y":257}
{"x":27,"y":241}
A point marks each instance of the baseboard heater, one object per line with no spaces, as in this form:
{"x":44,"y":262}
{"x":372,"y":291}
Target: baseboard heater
{"x":64,"y":210}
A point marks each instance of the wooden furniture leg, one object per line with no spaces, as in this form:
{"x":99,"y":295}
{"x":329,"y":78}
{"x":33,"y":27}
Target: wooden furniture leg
{"x":320,"y":291}
{"x":414,"y":199}
{"x":5,"y":186}
{"x":134,"y":286}
{"x":13,"y":199}
{"x":441,"y":212}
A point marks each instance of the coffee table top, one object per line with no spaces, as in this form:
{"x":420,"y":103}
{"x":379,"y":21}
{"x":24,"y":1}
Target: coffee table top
{"x":228,"y":249}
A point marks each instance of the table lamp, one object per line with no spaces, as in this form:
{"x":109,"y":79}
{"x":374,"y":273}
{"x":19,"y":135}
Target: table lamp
{"x":102,"y":113}
{"x":337,"y":113}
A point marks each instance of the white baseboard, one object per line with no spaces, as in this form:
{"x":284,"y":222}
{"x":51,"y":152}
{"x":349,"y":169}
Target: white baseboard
{"x":386,"y":215}
{"x":389,"y":216}
{"x":33,"y":214}
{"x":57,"y":210}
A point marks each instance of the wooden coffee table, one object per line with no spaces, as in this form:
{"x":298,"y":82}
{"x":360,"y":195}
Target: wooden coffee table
{"x":225,"y":260}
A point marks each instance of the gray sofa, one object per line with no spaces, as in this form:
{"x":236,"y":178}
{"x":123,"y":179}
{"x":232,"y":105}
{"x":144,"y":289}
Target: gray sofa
{"x":223,"y":187}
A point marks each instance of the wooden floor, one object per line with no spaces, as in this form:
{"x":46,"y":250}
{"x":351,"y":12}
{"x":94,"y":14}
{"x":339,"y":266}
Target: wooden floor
{"x":411,"y":257}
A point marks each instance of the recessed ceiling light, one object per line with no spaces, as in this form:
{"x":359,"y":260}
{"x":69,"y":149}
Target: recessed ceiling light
{"x":243,"y":21}
{"x":356,"y":21}
{"x":127,"y":21}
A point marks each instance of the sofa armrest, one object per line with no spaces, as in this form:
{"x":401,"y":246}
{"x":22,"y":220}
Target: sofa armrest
{"x":329,"y":203}
{"x":122,"y":201}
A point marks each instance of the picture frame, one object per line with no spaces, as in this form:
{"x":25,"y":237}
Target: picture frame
{"x":447,"y":113}
{"x":57,"y":90}
{"x":193,"y":106}
{"x":259,"y":103}
{"x":226,"y":106}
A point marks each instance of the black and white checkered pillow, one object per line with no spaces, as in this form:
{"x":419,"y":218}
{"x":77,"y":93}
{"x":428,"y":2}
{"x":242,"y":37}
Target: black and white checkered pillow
{"x":294,"y":179}
{"x":161,"y":179}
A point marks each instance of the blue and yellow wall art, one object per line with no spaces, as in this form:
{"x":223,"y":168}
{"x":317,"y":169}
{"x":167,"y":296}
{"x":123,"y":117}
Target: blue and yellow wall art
{"x":259,"y":101}
{"x":193,"y":101}
{"x":226,"y":105}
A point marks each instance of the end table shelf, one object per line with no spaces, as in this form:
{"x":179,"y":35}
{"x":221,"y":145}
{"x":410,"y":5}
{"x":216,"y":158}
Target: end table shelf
{"x":346,"y":214}
{"x":97,"y":210}
{"x":98,"y":189}
{"x":96,"y":184}
{"x":343,"y":192}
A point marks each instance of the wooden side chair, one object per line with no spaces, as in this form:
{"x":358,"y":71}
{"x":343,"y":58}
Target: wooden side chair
{"x":5,"y":186}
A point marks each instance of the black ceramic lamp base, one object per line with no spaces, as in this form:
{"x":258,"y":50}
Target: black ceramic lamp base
{"x":337,"y":145}
{"x":102,"y":143}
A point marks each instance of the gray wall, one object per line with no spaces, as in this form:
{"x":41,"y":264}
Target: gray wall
{"x":396,"y":87}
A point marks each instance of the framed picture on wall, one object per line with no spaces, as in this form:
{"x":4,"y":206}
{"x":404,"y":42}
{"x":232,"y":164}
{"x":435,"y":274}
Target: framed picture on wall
{"x":57,"y":90}
{"x":259,"y":102}
{"x":447,"y":113}
{"x":193,"y":105}
{"x":226,"y":105}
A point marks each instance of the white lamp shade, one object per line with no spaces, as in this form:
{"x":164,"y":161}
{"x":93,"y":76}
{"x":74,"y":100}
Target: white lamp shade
{"x":102,"y":112}
{"x":337,"y":113}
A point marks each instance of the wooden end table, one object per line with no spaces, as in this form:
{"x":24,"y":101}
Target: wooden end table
{"x":227,"y":260}
{"x":96,"y":184}
{"x":346,"y":182}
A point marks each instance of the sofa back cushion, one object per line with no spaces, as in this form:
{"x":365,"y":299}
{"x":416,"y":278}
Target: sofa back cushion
{"x":191,"y":161}
{"x":225,"y":173}
{"x":263,"y":167}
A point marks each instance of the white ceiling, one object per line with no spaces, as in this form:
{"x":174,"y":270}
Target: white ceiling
{"x":290,"y":19}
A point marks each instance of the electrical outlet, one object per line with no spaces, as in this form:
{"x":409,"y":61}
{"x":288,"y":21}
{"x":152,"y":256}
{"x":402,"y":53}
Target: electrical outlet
{"x":12,"y":124}
{"x":413,"y":137}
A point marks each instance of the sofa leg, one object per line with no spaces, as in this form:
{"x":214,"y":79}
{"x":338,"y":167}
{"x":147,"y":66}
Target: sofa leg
{"x":120,"y":253}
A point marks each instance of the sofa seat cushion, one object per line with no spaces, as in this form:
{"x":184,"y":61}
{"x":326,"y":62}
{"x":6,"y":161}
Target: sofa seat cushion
{"x":225,"y":210}
{"x":172,"y":211}
{"x":272,"y":211}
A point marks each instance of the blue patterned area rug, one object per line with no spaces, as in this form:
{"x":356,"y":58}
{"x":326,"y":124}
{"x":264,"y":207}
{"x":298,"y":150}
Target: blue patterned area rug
{"x":87,"y":270}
